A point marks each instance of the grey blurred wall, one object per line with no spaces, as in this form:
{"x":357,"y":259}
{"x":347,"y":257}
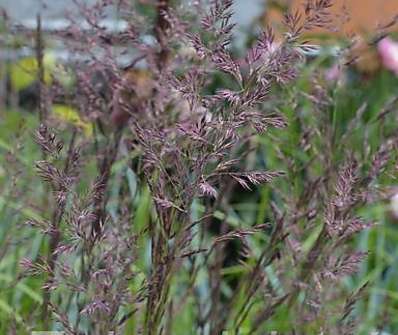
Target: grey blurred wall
{"x":22,"y":10}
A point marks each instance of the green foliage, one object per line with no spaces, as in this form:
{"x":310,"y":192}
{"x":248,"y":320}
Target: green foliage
{"x":21,"y":299}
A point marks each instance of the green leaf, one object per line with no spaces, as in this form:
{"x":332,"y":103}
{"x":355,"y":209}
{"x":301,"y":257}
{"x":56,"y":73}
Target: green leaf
{"x":25,"y":72}
{"x":71,"y":115}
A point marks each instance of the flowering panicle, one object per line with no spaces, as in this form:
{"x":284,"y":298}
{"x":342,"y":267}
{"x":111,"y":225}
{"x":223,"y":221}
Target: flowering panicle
{"x":144,"y":220}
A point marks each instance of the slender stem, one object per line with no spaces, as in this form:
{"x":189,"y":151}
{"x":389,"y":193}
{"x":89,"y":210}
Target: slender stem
{"x":105,"y":174}
{"x":40,"y":67}
{"x":162,"y":24}
{"x":56,"y":234}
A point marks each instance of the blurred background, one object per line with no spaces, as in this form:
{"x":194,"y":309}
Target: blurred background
{"x":367,"y":79}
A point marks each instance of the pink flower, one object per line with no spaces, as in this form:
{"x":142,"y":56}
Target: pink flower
{"x":394,"y":206}
{"x":334,"y":73}
{"x":388,"y":51}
